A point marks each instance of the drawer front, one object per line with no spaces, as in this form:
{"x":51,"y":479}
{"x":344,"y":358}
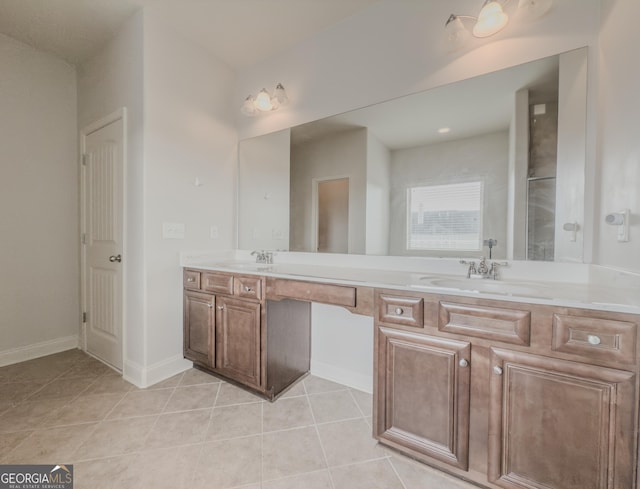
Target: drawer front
{"x":325,"y":293}
{"x":218,"y":283}
{"x":191,"y":280}
{"x":405,"y":311}
{"x":492,"y":323}
{"x":602,"y":339}
{"x":248,"y":287}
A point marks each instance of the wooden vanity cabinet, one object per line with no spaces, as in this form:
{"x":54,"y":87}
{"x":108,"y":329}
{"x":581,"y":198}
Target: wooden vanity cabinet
{"x":508,"y":395}
{"x":199,"y":320}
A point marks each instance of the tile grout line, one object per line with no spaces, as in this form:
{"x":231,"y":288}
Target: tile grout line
{"x":315,"y":426}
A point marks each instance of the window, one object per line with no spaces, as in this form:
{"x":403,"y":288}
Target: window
{"x":445,"y":217}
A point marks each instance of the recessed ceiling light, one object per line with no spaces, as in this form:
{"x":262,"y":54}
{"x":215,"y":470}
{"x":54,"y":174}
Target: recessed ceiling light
{"x":444,"y":130}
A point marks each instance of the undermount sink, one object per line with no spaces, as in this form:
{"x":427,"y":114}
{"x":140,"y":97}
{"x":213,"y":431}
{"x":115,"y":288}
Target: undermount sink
{"x":256,"y":267}
{"x":488,"y":286}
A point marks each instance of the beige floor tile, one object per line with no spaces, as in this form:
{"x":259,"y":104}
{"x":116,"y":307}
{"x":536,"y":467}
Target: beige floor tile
{"x":8,"y":441}
{"x":88,"y":369}
{"x":55,"y":445}
{"x":296,"y":389}
{"x":364,"y":401}
{"x":15,"y":392}
{"x":347,"y":442}
{"x":333,"y":406}
{"x":175,"y":429}
{"x":83,"y":409}
{"x":109,"y":383}
{"x":230,"y":394}
{"x":194,"y":376}
{"x":377,"y":474}
{"x":170,"y":468}
{"x":104,"y":473}
{"x":61,"y":389}
{"x":286,"y":413}
{"x":29,"y":415}
{"x":170,"y":382}
{"x":231,"y":463}
{"x":116,"y":437}
{"x":415,"y":475}
{"x":316,"y":385}
{"x":291,"y":452}
{"x":141,"y":403}
{"x":312,"y":480}
{"x":192,"y":397}
{"x":235,"y":421}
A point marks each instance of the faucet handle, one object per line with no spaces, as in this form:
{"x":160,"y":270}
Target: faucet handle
{"x":495,"y":267}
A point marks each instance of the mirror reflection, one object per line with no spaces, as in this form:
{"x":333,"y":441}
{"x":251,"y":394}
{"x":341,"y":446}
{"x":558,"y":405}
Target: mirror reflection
{"x":492,"y":165}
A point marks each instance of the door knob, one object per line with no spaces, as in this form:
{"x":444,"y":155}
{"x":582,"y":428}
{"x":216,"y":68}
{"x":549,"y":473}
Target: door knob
{"x":114,"y":258}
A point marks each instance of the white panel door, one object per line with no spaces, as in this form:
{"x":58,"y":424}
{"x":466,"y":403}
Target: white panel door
{"x":333,"y":216}
{"x":103,"y":235}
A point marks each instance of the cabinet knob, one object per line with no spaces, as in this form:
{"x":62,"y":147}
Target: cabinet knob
{"x":463,"y":363}
{"x":248,"y":289}
{"x":593,"y":339}
{"x":191,"y":279}
{"x":497,"y":370}
{"x":209,"y":306}
{"x":399,"y":311}
{"x":220,"y":308}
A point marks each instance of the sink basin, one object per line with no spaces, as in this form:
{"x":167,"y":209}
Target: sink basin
{"x":254,"y":267}
{"x":488,"y":286}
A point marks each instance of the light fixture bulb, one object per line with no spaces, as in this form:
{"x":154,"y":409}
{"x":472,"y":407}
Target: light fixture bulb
{"x":248,"y":107}
{"x":456,"y":32}
{"x":263,"y":101}
{"x":279,"y":96}
{"x":491,"y":20}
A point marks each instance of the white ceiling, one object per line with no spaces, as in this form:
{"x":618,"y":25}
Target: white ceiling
{"x":238,"y":32}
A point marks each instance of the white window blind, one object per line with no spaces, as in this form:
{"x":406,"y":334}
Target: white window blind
{"x":445,"y":217}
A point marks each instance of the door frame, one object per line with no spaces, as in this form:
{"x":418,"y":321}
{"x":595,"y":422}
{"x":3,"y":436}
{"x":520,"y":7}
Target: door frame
{"x":315,"y":208}
{"x":119,"y":114}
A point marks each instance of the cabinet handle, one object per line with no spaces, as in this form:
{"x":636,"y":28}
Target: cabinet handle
{"x":191,"y":279}
{"x":248,"y":289}
{"x":463,"y":363}
{"x":220,"y":308}
{"x":497,"y":370}
{"x":399,"y":311}
{"x":593,"y":339}
{"x":209,"y":306}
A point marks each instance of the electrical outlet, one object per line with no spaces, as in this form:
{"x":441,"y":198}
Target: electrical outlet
{"x":172,"y":230}
{"x":214,"y":233}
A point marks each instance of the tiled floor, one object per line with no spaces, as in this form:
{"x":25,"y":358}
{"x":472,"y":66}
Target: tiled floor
{"x":194,"y":431}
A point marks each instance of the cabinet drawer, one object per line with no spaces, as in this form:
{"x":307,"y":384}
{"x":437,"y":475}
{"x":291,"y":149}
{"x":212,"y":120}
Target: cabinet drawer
{"x":406,"y":311}
{"x":602,"y":339}
{"x":248,"y":287}
{"x":493,"y":323}
{"x":219,"y":283}
{"x":191,"y":280}
{"x":325,"y":293}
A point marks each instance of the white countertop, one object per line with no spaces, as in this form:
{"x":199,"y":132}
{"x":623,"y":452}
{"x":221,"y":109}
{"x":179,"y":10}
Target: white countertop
{"x":603,"y":289}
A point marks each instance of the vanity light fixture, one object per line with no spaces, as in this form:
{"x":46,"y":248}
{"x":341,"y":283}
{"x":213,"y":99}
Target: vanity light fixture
{"x":264,"y":101}
{"x":491,"y":19}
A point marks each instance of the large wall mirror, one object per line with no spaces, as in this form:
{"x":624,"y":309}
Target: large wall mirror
{"x":489,"y":165}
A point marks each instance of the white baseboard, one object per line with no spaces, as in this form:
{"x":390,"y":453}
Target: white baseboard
{"x":349,"y":378}
{"x":147,"y":376}
{"x":37,"y":350}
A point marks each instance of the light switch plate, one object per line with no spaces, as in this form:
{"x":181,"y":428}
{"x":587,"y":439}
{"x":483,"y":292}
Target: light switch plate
{"x":172,"y":230}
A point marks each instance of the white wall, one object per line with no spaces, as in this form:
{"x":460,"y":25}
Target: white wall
{"x":618,"y":171}
{"x":39,"y":286}
{"x":111,"y":79}
{"x":263,"y":191}
{"x":482,"y":157}
{"x":338,"y":155}
{"x":188,"y":134}
{"x":378,"y":196}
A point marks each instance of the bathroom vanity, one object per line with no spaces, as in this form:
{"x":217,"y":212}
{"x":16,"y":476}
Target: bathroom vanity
{"x":504,"y":391}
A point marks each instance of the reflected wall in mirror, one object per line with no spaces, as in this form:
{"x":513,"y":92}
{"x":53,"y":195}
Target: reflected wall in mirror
{"x":439,"y":173}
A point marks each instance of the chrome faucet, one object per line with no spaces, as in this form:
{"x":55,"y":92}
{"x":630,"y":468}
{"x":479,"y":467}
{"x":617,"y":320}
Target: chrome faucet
{"x":263,"y":256}
{"x":484,"y":269}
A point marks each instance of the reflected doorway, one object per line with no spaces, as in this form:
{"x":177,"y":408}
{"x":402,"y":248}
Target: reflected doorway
{"x":332,"y":208}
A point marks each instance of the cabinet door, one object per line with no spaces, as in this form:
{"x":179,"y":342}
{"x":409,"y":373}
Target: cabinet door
{"x":422,"y":395}
{"x":559,"y":424}
{"x":238,"y":339}
{"x":198,"y":327}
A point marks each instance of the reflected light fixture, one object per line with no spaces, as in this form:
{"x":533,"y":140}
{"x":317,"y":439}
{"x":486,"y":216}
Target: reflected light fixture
{"x":491,"y":19}
{"x":264,"y":101}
